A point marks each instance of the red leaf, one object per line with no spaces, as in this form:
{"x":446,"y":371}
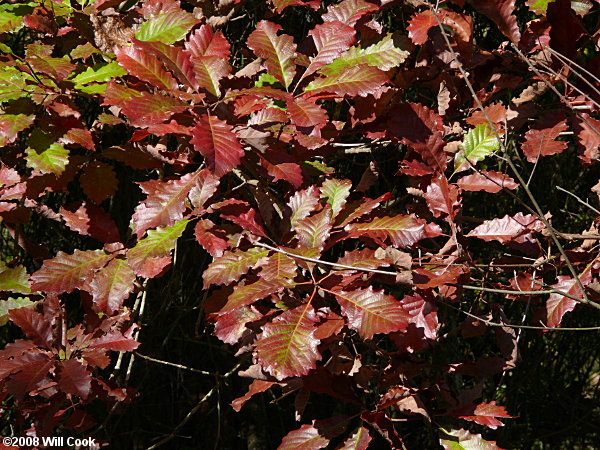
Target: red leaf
{"x":145,"y":66}
{"x":116,"y":341}
{"x":209,"y":54}
{"x":246,"y":294}
{"x":242,"y":214}
{"x":370,"y":312}
{"x":542,"y":142}
{"x":165,"y":203}
{"x":91,"y":220}
{"x":65,"y":273}
{"x":218,"y":143}
{"x":331,"y":40}
{"x":442,"y":197}
{"x":99,"y":181}
{"x":362,"y":207}
{"x":231,"y":266}
{"x":256,"y":387}
{"x":588,"y":137}
{"x":176,"y":59}
{"x":278,"y":51}
{"x":151,"y":109}
{"x":488,"y":181}
{"x":506,"y":228}
{"x":358,"y":441}
{"x":483,"y":414}
{"x":419,"y":26}
{"x":306,"y":113}
{"x":29,"y":372}
{"x":558,"y":305}
{"x":231,"y":326}
{"x":363,"y":258}
{"x":73,"y":378}
{"x":35,"y":326}
{"x":306,"y":437}
{"x":290,"y":172}
{"x":349,"y":11}
{"x":79,"y":136}
{"x":302,"y":203}
{"x":384,"y":426}
{"x":112,"y":285}
{"x":313,"y":232}
{"x":356,"y":80}
{"x":423,"y":314}
{"x":212,"y":239}
{"x":287,"y":346}
{"x":402,"y":231}
{"x":501,"y":12}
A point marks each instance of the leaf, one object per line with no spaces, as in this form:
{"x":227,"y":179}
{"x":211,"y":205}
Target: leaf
{"x":11,"y":125}
{"x":212,"y":239}
{"x":231,"y":266}
{"x":165,"y":203}
{"x":278,"y":267}
{"x":209,"y":54}
{"x":99,"y":74}
{"x":65,"y":273}
{"x":153,"y":253}
{"x":249,"y":293}
{"x":145,"y":66}
{"x":543,"y":142}
{"x":419,"y":26}
{"x":588,"y":138}
{"x":402,"y":231}
{"x":442,"y":197}
{"x":151,"y":109}
{"x":35,"y":326}
{"x":73,"y":378}
{"x":218,"y":143}
{"x":306,"y":437}
{"x":477,"y":144}
{"x":483,"y":414}
{"x":369,"y":312}
{"x":558,"y":305}
{"x":116,"y":341}
{"x":14,"y":279}
{"x":112,"y":285}
{"x":10,"y":304}
{"x":313,"y":232}
{"x":91,"y":220}
{"x":364,"y":258}
{"x":463,"y":440}
{"x":360,"y":208}
{"x":349,"y":11}
{"x":331,"y":40}
{"x":502,"y":13}
{"x":358,"y":80}
{"x":231,"y":326}
{"x":290,"y":172}
{"x":287,"y":346}
{"x":53,"y":159}
{"x":336,"y":192}
{"x":167,"y":27}
{"x":175,"y":58}
{"x":488,"y":181}
{"x":358,"y":441}
{"x":384,"y":55}
{"x":99,"y":181}
{"x":423,"y":314}
{"x":507,"y":228}
{"x":32,"y":373}
{"x":256,"y":387}
{"x":538,"y":6}
{"x":278,"y":51}
{"x":306,"y":113}
{"x":59,"y":68}
{"x":302,"y":203}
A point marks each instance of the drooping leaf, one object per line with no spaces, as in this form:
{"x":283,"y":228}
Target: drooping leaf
{"x":53,"y":159}
{"x":165,"y":203}
{"x":506,"y":228}
{"x":14,"y":279}
{"x":349,"y":11}
{"x":112,"y":285}
{"x":477,"y":144}
{"x":153,"y":253}
{"x":10,"y":304}
{"x":370,"y":312}
{"x":256,"y":387}
{"x":383,"y":55}
{"x":65,"y":273}
{"x":558,"y":305}
{"x":357,"y":80}
{"x":402,"y":231}
{"x":543,"y":142}
{"x":336,"y":192}
{"x":218,"y":143}
{"x":488,"y":181}
{"x":36,"y":326}
{"x":331,"y":40}
{"x":287,"y":346}
{"x":464,"y":440}
{"x":358,"y":441}
{"x":73,"y":378}
{"x":147,"y":67}
{"x":442,"y":197}
{"x":278,"y":51}
{"x":167,"y":27}
{"x":306,"y":437}
{"x":588,"y":137}
{"x":229,"y":267}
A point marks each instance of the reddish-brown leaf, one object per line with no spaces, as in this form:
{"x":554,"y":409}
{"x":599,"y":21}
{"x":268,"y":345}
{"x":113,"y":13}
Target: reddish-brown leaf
{"x":588,"y":137}
{"x":306,"y":437}
{"x":230,"y":326}
{"x":313,"y":231}
{"x":231,"y":266}
{"x":256,"y":387}
{"x":349,"y":11}
{"x":112,"y":285}
{"x":212,"y":239}
{"x":73,"y":378}
{"x":145,"y":66}
{"x":99,"y":181}
{"x":488,"y":181}
{"x":501,"y":12}
{"x":306,"y":113}
{"x":423,"y":314}
{"x":483,"y":414}
{"x":116,"y":341}
{"x":358,"y":441}
{"x":91,"y":220}
{"x":331,"y":40}
{"x":543,"y":142}
{"x":35,"y":326}
{"x":507,"y":228}
{"x":402,"y":231}
{"x":151,"y":109}
{"x":442,"y":197}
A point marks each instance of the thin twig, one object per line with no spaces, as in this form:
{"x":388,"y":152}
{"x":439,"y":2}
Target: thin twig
{"x":179,"y":366}
{"x":583,"y":202}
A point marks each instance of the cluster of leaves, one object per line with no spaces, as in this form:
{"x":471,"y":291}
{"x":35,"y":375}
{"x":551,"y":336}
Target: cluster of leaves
{"x":332,"y":290}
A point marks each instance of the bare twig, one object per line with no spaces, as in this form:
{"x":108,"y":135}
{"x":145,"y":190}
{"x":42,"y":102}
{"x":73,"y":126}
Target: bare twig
{"x":583,"y":202}
{"x":179,"y":366}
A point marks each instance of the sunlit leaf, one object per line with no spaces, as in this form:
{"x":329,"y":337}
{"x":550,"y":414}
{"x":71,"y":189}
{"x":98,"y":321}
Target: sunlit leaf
{"x":477,"y":144}
{"x":167,"y":27}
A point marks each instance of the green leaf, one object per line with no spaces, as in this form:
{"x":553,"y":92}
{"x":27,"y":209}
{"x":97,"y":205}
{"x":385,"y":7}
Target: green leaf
{"x":383,"y":55}
{"x":93,"y":88}
{"x":12,"y":124}
{"x":14,"y":279}
{"x":54,"y":159}
{"x":539,"y":6}
{"x":266,"y":79}
{"x":13,"y":84}
{"x":336,"y":192}
{"x":12,"y":303}
{"x":167,"y":27}
{"x":9,"y":22}
{"x":231,"y":266}
{"x":478,"y":143}
{"x":99,"y":74}
{"x":356,"y":80}
{"x":464,"y":440}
